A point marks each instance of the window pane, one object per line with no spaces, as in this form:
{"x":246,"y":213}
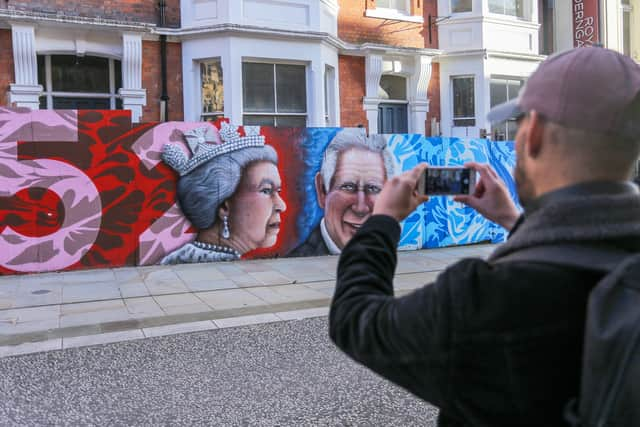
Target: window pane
{"x":510,"y":7}
{"x":291,"y":121}
{"x":383,"y":3}
{"x":498,"y":91}
{"x":118,"y":103}
{"x":393,"y":87}
{"x":496,"y":6}
{"x":464,"y":122}
{"x":292,"y":88}
{"x":212,"y":90}
{"x":211,"y":117}
{"x":514,"y":88}
{"x":258,"y":91}
{"x":460,"y":6}
{"x":512,"y":128}
{"x":68,"y":103}
{"x":500,"y":132}
{"x":463,"y":98}
{"x":43,"y":103}
{"x":80,"y":74}
{"x":626,"y":32}
{"x":117,"y":67}
{"x":258,"y":120}
{"x":41,"y":72}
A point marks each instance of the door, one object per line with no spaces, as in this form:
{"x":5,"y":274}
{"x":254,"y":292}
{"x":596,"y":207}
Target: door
{"x":392,"y":118}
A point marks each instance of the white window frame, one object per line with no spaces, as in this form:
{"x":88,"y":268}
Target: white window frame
{"x":49,"y":93}
{"x":453,"y":100}
{"x":625,"y":9}
{"x":275,"y":90}
{"x":214,"y":114}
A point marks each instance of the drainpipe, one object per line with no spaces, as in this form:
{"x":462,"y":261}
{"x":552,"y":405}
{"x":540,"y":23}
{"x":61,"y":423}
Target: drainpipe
{"x":164,"y":97}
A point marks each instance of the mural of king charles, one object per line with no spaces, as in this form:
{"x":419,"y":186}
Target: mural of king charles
{"x":354,"y":169}
{"x":229,"y":191}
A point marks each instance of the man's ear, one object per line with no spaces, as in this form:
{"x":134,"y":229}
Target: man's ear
{"x":321,"y":192}
{"x":535,"y":134}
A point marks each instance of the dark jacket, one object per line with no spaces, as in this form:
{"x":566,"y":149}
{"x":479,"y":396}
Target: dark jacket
{"x":313,"y":246}
{"x":490,"y":345}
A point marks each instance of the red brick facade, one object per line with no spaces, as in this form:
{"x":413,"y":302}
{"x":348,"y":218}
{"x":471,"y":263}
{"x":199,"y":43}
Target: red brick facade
{"x":122,"y":10}
{"x":6,"y":65}
{"x":152,"y":82}
{"x":434,"y":98}
{"x":352,"y":91}
{"x":355,"y":27}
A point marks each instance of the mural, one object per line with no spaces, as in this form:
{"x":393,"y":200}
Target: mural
{"x":87,"y":189}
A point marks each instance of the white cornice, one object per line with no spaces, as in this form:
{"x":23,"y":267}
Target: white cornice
{"x":381,"y":49}
{"x":486,"y":53}
{"x":516,"y":55}
{"x":490,"y":20}
{"x":8,"y":16}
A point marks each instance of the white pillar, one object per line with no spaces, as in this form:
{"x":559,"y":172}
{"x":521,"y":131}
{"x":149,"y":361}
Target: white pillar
{"x":418,"y":100}
{"x":373,"y":72}
{"x":134,"y":97}
{"x":25,"y":92}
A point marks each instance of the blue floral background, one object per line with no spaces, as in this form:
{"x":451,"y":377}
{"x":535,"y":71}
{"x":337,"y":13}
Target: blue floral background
{"x":439,"y":222}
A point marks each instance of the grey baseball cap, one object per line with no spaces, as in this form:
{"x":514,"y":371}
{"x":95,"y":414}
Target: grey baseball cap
{"x":590,"y":88}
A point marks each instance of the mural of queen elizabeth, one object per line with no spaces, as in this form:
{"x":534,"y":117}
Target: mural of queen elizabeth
{"x":230,"y":192}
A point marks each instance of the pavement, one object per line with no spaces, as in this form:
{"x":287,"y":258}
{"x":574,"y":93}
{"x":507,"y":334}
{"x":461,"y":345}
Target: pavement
{"x":54,"y":311}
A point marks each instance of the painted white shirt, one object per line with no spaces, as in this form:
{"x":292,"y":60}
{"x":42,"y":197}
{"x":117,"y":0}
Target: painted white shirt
{"x":333,"y":248}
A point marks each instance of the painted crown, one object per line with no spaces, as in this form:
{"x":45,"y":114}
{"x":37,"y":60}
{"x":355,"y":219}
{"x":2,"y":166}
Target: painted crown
{"x":201,"y":143}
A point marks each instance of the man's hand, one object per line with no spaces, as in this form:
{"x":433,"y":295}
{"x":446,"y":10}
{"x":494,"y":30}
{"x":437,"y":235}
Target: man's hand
{"x":491,"y":197}
{"x":400,"y":197}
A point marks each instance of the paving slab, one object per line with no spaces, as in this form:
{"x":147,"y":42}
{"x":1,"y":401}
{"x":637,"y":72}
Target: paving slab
{"x":286,"y":293}
{"x":230,"y":298}
{"x":142,"y":307}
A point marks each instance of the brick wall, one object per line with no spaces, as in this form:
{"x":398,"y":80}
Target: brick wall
{"x":6,"y":66}
{"x":434,"y":98}
{"x":355,"y":27}
{"x":352,"y":90}
{"x":123,"y":10}
{"x":152,"y":80}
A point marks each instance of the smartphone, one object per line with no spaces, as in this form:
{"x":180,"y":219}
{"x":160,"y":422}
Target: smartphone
{"x":449,"y":181}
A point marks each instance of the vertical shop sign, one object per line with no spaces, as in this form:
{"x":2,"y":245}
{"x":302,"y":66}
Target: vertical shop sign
{"x":585,"y":22}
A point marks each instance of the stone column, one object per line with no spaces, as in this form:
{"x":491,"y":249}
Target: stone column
{"x":418,"y":100}
{"x":373,"y":72}
{"x":134,"y":97}
{"x":25,"y":92}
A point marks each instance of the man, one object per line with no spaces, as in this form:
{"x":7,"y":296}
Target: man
{"x":353,"y":171}
{"x":499,"y":343}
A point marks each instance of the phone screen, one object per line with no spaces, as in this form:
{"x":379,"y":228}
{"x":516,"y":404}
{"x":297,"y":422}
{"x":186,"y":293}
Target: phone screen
{"x":447,"y":181}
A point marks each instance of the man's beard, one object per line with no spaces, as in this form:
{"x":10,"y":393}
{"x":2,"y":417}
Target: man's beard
{"x":523,"y":183}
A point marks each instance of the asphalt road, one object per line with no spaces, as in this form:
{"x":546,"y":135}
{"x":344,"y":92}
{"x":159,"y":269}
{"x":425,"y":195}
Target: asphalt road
{"x":279,"y":374}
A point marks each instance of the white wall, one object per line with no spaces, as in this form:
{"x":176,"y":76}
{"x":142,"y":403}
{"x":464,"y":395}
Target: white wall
{"x":301,"y":15}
